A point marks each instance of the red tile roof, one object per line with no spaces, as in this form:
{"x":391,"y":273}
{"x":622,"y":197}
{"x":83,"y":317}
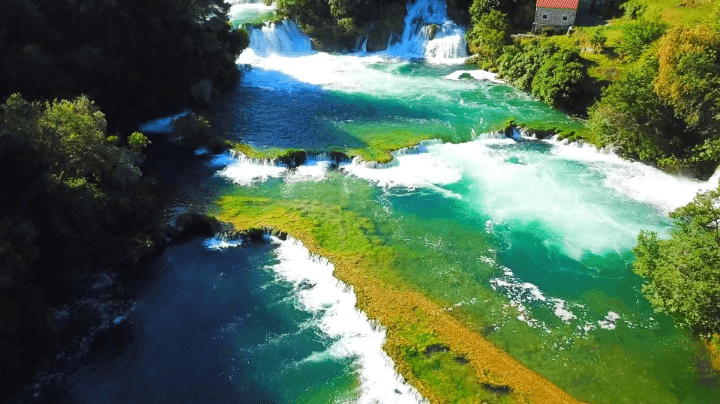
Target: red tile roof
{"x":558,"y":3}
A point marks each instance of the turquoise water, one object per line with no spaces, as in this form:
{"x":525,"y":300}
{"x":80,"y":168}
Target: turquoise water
{"x":530,"y":240}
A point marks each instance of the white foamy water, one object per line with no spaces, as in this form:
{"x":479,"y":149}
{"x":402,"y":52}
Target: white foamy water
{"x":429,"y":33}
{"x":480,"y":75}
{"x":245,"y":171}
{"x":587,"y":201}
{"x":220,"y":243}
{"x":636,"y":180}
{"x":161,"y":125}
{"x":284,"y":38}
{"x":333,"y":304}
{"x":409,"y":171}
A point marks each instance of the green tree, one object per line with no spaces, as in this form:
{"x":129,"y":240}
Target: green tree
{"x":488,"y":35}
{"x":689,"y":76}
{"x":638,"y":37}
{"x":631,"y":117}
{"x":683,"y":272}
{"x":559,"y":78}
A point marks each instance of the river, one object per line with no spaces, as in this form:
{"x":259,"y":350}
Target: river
{"x":531,"y":238}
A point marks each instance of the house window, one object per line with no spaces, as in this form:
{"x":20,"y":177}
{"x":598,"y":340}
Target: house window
{"x":564,"y":18}
{"x":544,"y":16}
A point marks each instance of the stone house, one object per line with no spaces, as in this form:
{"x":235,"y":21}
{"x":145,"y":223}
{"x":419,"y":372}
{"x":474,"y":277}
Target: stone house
{"x":558,"y":14}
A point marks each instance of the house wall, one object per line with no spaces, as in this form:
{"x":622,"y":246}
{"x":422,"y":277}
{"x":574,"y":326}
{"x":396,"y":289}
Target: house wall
{"x":555,"y":16}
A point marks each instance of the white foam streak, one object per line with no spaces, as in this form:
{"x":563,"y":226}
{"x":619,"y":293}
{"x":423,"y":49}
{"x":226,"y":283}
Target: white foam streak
{"x":634,"y":179}
{"x":220,"y":243}
{"x":480,"y":75}
{"x":408,"y":171}
{"x":161,"y":125}
{"x":245,"y":171}
{"x":355,"y":335}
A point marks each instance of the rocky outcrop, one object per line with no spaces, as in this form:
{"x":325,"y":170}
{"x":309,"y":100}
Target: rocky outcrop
{"x":388,"y":29}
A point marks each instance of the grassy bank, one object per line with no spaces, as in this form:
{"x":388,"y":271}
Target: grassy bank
{"x":445,"y":359}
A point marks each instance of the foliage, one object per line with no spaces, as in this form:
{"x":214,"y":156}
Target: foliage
{"x":632,"y":117}
{"x":633,"y":9}
{"x":638,"y":37}
{"x":683,"y":272}
{"x":597,"y":40}
{"x":520,"y":14}
{"x":666,"y":108}
{"x":194,"y":130}
{"x":133,"y":58}
{"x":75,"y":202}
{"x":553,"y":74}
{"x":488,"y":35}
{"x":557,"y":81}
{"x":689,"y":75}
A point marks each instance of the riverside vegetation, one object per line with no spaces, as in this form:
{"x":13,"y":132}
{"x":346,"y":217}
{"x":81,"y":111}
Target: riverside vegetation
{"x":77,"y":204}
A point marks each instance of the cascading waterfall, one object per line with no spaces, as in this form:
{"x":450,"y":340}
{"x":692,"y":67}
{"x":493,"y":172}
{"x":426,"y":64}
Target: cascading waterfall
{"x":430,"y":33}
{"x":283,"y":38}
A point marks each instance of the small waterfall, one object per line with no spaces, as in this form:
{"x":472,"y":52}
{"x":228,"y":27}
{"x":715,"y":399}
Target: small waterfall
{"x":429,"y":33}
{"x":283,"y":38}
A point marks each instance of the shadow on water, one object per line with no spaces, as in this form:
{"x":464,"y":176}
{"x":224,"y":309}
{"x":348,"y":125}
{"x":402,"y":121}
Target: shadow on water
{"x":211,"y":327}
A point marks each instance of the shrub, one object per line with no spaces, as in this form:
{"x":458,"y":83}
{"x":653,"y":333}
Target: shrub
{"x":683,"y":272}
{"x":638,"y":37}
{"x":488,"y":35}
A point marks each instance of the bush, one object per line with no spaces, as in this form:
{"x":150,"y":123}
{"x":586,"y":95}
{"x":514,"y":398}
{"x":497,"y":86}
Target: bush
{"x":558,"y":79}
{"x":597,"y":40}
{"x":683,"y":272}
{"x":633,"y":9}
{"x":488,"y":35}
{"x":553,"y":74}
{"x":638,"y":37}
{"x":194,"y":130}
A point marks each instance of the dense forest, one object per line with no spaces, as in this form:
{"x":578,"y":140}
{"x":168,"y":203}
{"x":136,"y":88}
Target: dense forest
{"x":76,"y":76}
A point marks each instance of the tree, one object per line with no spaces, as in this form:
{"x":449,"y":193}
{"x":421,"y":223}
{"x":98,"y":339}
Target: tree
{"x":488,"y":35}
{"x":638,"y":37}
{"x":683,"y":272}
{"x":558,"y":80}
{"x":631,"y":117}
{"x":689,"y":76}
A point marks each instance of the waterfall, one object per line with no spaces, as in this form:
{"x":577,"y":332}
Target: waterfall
{"x":429,"y":33}
{"x":283,"y":38}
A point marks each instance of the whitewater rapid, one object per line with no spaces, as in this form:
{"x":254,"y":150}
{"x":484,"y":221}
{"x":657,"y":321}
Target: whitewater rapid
{"x":332,"y":304}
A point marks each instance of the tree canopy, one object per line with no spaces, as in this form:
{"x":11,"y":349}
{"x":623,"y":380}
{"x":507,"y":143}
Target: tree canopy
{"x":683,"y":272}
{"x":132,"y":57}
